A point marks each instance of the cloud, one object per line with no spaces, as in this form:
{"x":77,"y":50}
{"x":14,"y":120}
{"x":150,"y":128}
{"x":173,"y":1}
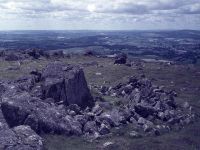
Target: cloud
{"x":104,"y":12}
{"x":191,"y":9}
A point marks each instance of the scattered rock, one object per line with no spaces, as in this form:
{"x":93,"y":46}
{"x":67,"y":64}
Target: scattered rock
{"x":90,"y":127}
{"x":113,"y":117}
{"x":144,"y":111}
{"x":20,"y":137}
{"x":81,"y":119}
{"x":34,"y":53}
{"x":75,"y":108}
{"x":103,"y":89}
{"x":11,"y":56}
{"x":134,"y":134}
{"x":57,"y":100}
{"x":120,"y":59}
{"x":97,"y":110}
{"x":104,"y":128}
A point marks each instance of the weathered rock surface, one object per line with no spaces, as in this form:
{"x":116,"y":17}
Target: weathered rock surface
{"x":57,"y":100}
{"x":114,"y":117}
{"x":22,"y":109}
{"x":146,"y":106}
{"x":26,"y":101}
{"x":66,"y":84}
{"x":47,"y":102}
{"x":18,"y":138}
{"x":134,"y":134}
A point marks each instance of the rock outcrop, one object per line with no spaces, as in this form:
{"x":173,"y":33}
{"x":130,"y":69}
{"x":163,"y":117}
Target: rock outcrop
{"x":57,"y":100}
{"x":18,"y":138}
{"x":66,"y":84}
{"x":41,"y":100}
{"x":11,"y":56}
{"x":33,"y":54}
{"x":46,"y":102}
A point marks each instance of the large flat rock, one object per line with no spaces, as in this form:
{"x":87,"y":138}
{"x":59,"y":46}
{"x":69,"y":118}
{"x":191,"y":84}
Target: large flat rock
{"x":42,"y":117}
{"x":18,"y":138}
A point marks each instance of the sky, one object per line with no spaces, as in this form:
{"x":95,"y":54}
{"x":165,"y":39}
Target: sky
{"x":99,"y":14}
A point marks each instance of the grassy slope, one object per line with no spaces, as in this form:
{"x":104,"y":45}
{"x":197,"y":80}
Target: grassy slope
{"x":184,"y":79}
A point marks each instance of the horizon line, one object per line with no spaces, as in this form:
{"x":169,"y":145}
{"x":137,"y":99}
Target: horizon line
{"x":100,"y":30}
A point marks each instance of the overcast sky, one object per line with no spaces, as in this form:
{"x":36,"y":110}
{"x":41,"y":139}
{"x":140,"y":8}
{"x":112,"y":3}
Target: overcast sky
{"x":99,"y":14}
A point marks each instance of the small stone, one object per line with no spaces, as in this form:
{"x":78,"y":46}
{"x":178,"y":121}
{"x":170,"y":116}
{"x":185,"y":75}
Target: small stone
{"x":132,"y":120}
{"x":141,"y":121}
{"x":75,"y":108}
{"x":97,"y":110}
{"x":187,"y":121}
{"x":123,"y":92}
{"x":147,"y":128}
{"x":104,"y":129}
{"x":108,"y":145}
{"x":81,"y":118}
{"x":103,"y":89}
{"x":161,"y":115}
{"x":72,"y":113}
{"x":186,"y":105}
{"x":90,"y":137}
{"x":90,"y":127}
{"x":98,"y":73}
{"x":110,"y":88}
{"x":173,"y":121}
{"x":134,"y":134}
{"x":113,"y":94}
{"x":157,"y":132}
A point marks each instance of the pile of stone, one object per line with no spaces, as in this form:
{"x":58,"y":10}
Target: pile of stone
{"x":149,"y":107}
{"x":57,"y":100}
{"x":46,"y":101}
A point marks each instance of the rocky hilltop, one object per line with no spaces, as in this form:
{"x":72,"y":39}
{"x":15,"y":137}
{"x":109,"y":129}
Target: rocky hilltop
{"x":57,"y":100}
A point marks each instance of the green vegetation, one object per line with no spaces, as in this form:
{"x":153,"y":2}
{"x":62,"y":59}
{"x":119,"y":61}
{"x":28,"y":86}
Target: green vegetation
{"x":184,"y":79}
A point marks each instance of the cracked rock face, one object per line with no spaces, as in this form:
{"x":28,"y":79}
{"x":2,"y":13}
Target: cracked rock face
{"x":66,"y":84}
{"x":38,"y":103}
{"x":42,"y":117}
{"x":18,"y":138}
